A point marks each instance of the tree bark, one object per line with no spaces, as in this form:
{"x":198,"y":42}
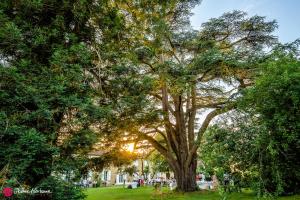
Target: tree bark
{"x":186,"y":177}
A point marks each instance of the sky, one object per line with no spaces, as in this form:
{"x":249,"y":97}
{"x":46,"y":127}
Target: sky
{"x":285,"y":12}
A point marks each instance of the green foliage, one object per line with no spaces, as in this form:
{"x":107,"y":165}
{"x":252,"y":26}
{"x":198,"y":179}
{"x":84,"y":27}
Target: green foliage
{"x":232,"y":150}
{"x":80,"y":142}
{"x":130,"y":170}
{"x":275,"y":98}
{"x":46,"y":94}
{"x":61,"y":190}
{"x":22,"y":155}
{"x":159,"y":163}
{"x":262,"y":145}
{"x":238,"y":22}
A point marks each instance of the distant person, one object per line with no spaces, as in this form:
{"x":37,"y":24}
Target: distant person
{"x":226,"y":180}
{"x":172,"y":184}
{"x":142,"y":182}
{"x":197,"y":177}
{"x":85,"y":183}
{"x":215,"y":182}
{"x":202,"y":177}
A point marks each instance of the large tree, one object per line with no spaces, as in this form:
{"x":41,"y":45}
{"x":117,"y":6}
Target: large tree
{"x":46,"y":99}
{"x":167,"y":75}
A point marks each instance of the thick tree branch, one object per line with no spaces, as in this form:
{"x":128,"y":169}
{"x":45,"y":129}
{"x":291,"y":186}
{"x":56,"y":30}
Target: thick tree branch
{"x":162,"y":134}
{"x":203,"y":75}
{"x":154,"y":143}
{"x":191,"y":118}
{"x":212,"y":105}
{"x":168,"y":125}
{"x":173,"y":49}
{"x":148,"y":64}
{"x":167,"y":154}
{"x":203,"y":128}
{"x":237,"y":41}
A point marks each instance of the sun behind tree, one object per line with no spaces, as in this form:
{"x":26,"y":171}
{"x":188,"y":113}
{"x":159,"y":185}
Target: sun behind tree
{"x":129,"y":147}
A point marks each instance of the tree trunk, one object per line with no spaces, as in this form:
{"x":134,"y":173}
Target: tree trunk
{"x":186,"y":177}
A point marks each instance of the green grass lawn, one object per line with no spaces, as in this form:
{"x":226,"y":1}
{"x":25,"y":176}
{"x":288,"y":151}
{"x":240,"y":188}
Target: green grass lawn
{"x":148,"y":193}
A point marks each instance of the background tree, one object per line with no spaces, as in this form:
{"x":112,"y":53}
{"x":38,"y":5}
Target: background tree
{"x":232,"y":149}
{"x":46,"y":98}
{"x":159,"y":164}
{"x":262,"y":144}
{"x":274,"y":101}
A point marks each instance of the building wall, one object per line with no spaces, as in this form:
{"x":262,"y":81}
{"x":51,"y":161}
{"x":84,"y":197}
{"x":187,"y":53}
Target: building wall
{"x":111,"y":175}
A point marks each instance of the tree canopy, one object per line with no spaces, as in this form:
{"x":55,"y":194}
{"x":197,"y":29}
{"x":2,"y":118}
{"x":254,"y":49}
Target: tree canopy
{"x":46,"y":95}
{"x":171,"y":73}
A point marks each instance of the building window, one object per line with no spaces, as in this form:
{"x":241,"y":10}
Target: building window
{"x":105,"y":175}
{"x":121,"y":178}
